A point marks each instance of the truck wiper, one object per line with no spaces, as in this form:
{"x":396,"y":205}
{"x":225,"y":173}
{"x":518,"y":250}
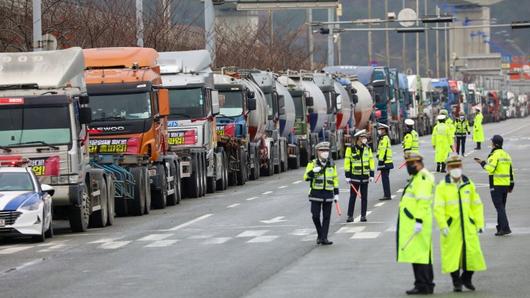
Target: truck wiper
{"x":6,"y":149}
{"x":110,"y":118}
{"x":37,"y":142}
{"x":19,"y":86}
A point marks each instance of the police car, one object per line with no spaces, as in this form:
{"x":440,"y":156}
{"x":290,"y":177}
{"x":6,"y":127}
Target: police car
{"x":25,"y":204}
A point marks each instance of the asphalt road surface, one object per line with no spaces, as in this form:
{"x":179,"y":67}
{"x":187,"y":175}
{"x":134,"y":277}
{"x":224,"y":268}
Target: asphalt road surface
{"x":259,"y":241}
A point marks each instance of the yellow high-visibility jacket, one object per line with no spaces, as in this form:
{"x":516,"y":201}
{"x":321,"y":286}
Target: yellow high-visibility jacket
{"x":411,"y":142}
{"x":324,"y":184}
{"x":462,"y":127}
{"x":416,"y":206}
{"x":478,"y":131}
{"x":384,"y":154}
{"x":442,"y":141}
{"x":359,"y":163}
{"x":452,"y":129}
{"x":499,"y":167}
{"x":459,"y":208}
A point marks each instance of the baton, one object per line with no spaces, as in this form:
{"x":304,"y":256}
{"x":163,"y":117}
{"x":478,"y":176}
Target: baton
{"x":403,"y":164}
{"x":378,"y":177}
{"x":355,"y":190}
{"x":337,"y":208}
{"x":408,"y":241}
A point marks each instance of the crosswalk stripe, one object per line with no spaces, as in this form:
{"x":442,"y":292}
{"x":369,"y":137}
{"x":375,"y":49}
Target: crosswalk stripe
{"x":217,"y":240}
{"x":11,"y":250}
{"x":114,"y":244}
{"x":262,"y":239}
{"x":252,"y":233}
{"x":233,"y":205}
{"x":365,"y":235}
{"x":298,"y":181}
{"x":155,"y":237}
{"x":162,"y":243}
{"x":355,"y":229}
{"x":283,"y":186}
{"x":379,"y":204}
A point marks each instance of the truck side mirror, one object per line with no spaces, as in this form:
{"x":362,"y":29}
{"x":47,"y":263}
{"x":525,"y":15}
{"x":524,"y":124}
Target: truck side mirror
{"x":251,"y":94}
{"x":215,"y":103}
{"x":163,"y":102}
{"x":251,"y":103}
{"x":47,"y":189}
{"x":309,"y":101}
{"x":85,"y":115}
{"x":84,"y":99}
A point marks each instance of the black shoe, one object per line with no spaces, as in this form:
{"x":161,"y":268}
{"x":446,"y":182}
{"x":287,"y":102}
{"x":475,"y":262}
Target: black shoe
{"x":502,"y":233}
{"x":363,"y":219}
{"x":457,"y":288}
{"x":469,"y":286}
{"x":417,"y":291}
{"x":319,"y":241}
{"x":385,"y":199}
{"x":350,"y":219}
{"x":326,"y":242}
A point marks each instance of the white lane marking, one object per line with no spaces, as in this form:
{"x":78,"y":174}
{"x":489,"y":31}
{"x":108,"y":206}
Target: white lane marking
{"x":379,"y":204}
{"x":515,"y":129}
{"x":302,"y":232}
{"x":30,"y":263}
{"x":368,"y":212}
{"x":392,"y":196}
{"x":277,"y":219}
{"x":263,"y":239}
{"x":344,"y":190}
{"x":52,"y":248}
{"x":114,"y":244}
{"x":400,"y":190}
{"x":391,"y":229}
{"x":162,"y":243}
{"x":252,"y":198}
{"x":155,"y":237}
{"x":104,"y":240}
{"x":267,"y":192}
{"x":233,"y":205}
{"x":298,"y":181}
{"x":345,"y":230}
{"x":252,"y":233}
{"x":365,"y":235}
{"x":13,"y":250}
{"x":189,"y":223}
{"x":307,"y":238}
{"x":469,"y":153}
{"x":218,"y":240}
{"x":283,"y":186}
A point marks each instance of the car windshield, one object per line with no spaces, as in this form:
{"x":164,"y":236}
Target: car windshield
{"x":187,"y":103}
{"x":231,"y":103}
{"x":15,"y":182}
{"x":270,"y":105}
{"x":26,"y":124}
{"x":111,"y":107}
{"x":298,"y":107}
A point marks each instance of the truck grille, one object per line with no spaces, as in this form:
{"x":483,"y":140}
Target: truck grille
{"x":9,"y":216}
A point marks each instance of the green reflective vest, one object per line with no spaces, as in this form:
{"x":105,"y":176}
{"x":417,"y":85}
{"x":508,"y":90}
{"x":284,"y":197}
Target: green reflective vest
{"x":411,"y":142}
{"x":384,"y":153}
{"x":462,"y":127}
{"x":416,"y":206}
{"x":458,"y":207}
{"x":325,"y":183}
{"x":499,"y":166}
{"x":478,"y":131}
{"x":359,"y":164}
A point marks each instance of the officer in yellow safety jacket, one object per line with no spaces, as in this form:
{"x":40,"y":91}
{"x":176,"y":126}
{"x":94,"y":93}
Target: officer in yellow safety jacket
{"x":324,"y":181}
{"x":414,"y":228}
{"x":460,"y":216}
{"x":449,"y":122}
{"x":411,"y":140}
{"x":478,"y":131}
{"x":441,"y":142}
{"x":384,"y":158}
{"x":461,"y":131}
{"x":501,"y":180}
{"x":359,"y":169}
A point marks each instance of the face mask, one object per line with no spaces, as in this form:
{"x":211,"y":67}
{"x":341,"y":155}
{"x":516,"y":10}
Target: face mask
{"x":324,"y":155}
{"x":456,"y":173}
{"x":364,"y":141}
{"x":381,"y":132}
{"x":461,"y":117}
{"x":412,"y":169}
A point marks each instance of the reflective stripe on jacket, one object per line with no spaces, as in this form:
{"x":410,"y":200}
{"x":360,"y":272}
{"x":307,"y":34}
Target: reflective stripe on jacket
{"x":416,"y":206}
{"x":411,"y":142}
{"x":359,"y":163}
{"x":459,"y":208}
{"x":324,"y":184}
{"x":384,"y":153}
{"x":499,"y":166}
{"x":462,"y":127}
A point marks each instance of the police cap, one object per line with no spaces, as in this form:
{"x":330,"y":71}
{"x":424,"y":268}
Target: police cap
{"x":409,"y":122}
{"x":413,"y":156}
{"x":322,"y":146}
{"x":360,"y":133}
{"x":454,"y":160}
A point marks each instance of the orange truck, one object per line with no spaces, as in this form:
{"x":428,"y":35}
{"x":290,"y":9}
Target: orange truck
{"x":128,"y":132}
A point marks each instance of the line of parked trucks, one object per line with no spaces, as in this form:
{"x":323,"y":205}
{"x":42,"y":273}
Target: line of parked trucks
{"x":118,"y":131}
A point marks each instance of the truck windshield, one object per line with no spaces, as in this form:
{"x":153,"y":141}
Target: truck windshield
{"x":232,"y":104}
{"x":112,"y":107}
{"x":24,"y":124}
{"x":299,"y":107}
{"x":270,"y":106}
{"x":15,"y":182}
{"x":187,"y":103}
{"x":380,"y":94}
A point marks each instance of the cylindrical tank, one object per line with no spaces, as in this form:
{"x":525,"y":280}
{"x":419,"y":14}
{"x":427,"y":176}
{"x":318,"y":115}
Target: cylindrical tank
{"x":257,"y":119}
{"x":318,"y":117}
{"x":363,"y":108}
{"x":344,"y":102}
{"x":287,"y":119}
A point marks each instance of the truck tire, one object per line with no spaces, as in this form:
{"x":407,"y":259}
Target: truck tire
{"x":173,"y":199}
{"x":110,"y":200}
{"x":136,"y":206}
{"x":79,"y":216}
{"x":242,"y":173}
{"x":304,"y":157}
{"x":160,"y":195}
{"x":192,"y":183}
{"x":222,"y":183}
{"x":121,"y":206}
{"x":98,"y":219}
{"x":148,"y":196}
{"x":255,"y":171}
{"x":284,"y":160}
{"x":203,"y":174}
{"x":277,"y":167}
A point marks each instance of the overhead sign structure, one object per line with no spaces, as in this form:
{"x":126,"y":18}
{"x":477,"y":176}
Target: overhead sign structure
{"x":285,"y":4}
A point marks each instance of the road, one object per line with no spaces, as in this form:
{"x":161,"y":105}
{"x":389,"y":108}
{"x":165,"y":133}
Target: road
{"x":258,"y":240}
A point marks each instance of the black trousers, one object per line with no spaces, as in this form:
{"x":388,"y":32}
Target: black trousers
{"x":478,"y":146}
{"x":322,"y":227}
{"x":440,"y":167}
{"x":363,"y":188}
{"x":461,"y":144}
{"x":423,"y":275}
{"x":385,"y":179}
{"x":458,"y":279}
{"x":498,"y":196}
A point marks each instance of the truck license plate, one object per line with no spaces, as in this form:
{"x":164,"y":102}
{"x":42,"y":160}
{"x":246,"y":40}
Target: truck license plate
{"x":2,"y":222}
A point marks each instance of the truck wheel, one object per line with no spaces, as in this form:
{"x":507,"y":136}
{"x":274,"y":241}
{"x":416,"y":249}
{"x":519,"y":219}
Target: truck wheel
{"x":136,"y":206}
{"x":277,"y":167}
{"x":49,"y":232}
{"x":147,"y":193}
{"x":284,"y":160}
{"x":79,"y":215}
{"x":98,"y":219}
{"x":242,"y":173}
{"x":160,"y":195}
{"x":203,"y":174}
{"x":172,"y":199}
{"x":110,"y":201}
{"x":121,"y":206}
{"x":304,"y":158}
{"x":42,"y":236}
{"x":192,"y":183}
{"x":221,"y":183}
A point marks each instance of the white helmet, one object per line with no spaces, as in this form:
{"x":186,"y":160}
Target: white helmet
{"x":409,"y":122}
{"x":440,"y":117}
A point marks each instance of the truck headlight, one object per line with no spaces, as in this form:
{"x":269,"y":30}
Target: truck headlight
{"x":31,"y":204}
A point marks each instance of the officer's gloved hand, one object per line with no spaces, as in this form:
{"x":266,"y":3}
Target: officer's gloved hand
{"x":336,"y":198}
{"x":371,"y":179}
{"x":418,"y":227}
{"x":480,"y":231}
{"x":317,"y":169}
{"x":348,"y":180}
{"x":445,"y":231}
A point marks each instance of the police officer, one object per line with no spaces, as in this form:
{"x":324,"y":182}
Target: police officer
{"x":359,"y":169}
{"x":461,"y":130}
{"x":411,"y":141}
{"x":324,"y":181}
{"x":501,"y":179}
{"x":414,"y":230}
{"x":460,"y":216}
{"x":384,"y":157}
{"x":441,"y":136}
{"x":478,"y":131}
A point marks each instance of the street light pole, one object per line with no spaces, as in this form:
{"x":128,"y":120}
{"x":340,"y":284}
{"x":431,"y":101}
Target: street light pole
{"x":417,"y":41}
{"x":331,"y":44}
{"x":209,"y":26}
{"x":309,"y":17}
{"x":139,"y":23}
{"x":387,"y":42}
{"x":37,"y":25}
{"x":370,"y":33}
{"x":404,"y":47}
{"x":427,"y":58}
{"x":437,"y":34}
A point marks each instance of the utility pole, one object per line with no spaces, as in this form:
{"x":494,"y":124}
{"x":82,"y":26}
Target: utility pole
{"x":387,"y":42}
{"x":209,"y":26}
{"x":446,"y":50}
{"x":437,"y":46}
{"x":166,"y":6}
{"x":139,"y":23}
{"x":309,"y":18}
{"x":370,"y":33}
{"x":417,"y":41}
{"x":331,"y":44}
{"x":427,"y":58}
{"x":404,"y":47}
{"x":37,"y":26}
